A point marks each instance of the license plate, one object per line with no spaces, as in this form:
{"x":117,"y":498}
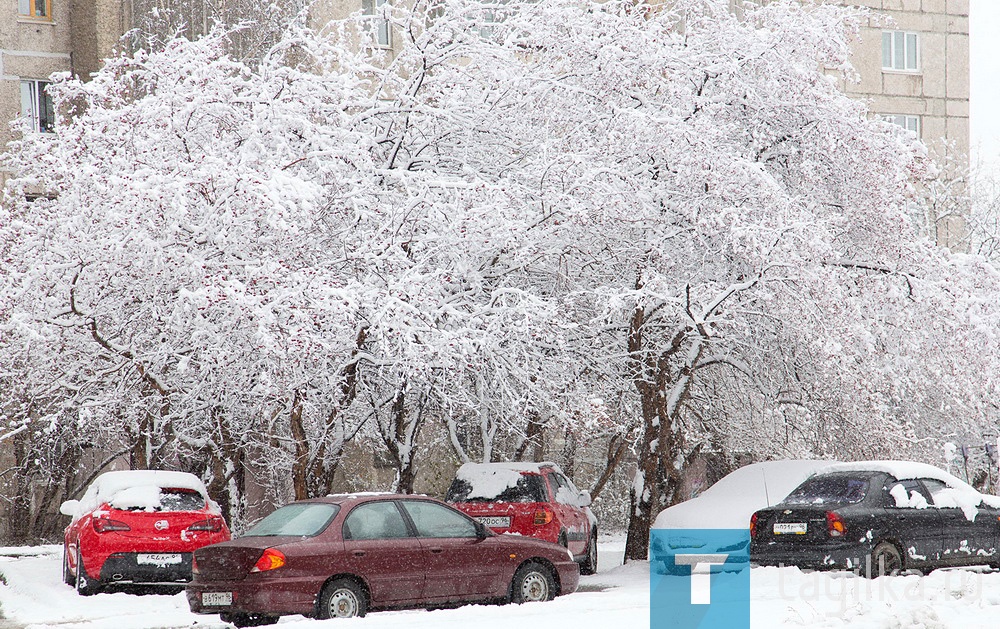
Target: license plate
{"x":495,"y":521}
{"x":158,"y":559}
{"x":217,"y":599}
{"x":790,"y":528}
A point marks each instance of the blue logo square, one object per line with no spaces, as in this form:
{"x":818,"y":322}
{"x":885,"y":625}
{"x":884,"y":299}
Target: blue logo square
{"x":699,"y":579}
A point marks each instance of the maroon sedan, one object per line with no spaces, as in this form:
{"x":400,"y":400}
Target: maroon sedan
{"x":342,"y":556}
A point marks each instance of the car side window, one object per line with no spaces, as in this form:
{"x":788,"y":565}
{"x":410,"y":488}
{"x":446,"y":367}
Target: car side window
{"x":566,"y":493}
{"x":434,"y":520}
{"x":906,"y":494}
{"x":375,"y":520}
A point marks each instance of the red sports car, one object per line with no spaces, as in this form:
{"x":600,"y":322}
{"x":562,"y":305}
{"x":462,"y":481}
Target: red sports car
{"x":341,"y":556}
{"x":534,"y":499}
{"x":138,"y":527}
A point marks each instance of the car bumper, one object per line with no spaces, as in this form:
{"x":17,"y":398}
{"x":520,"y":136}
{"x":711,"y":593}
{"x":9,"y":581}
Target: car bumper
{"x":835,"y":556}
{"x":257,"y":595}
{"x":143,"y":568}
{"x":569,"y":577}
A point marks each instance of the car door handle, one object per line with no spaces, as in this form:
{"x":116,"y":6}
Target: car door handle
{"x":358,"y":553}
{"x":437,"y":550}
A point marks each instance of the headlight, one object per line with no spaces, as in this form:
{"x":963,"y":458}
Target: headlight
{"x":569,"y":554}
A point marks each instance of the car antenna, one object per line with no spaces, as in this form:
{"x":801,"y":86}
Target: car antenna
{"x":763,"y":475}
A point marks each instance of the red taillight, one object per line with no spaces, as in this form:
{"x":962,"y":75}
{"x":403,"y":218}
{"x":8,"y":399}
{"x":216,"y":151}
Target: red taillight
{"x":542,"y":516}
{"x":753,"y":525}
{"x":835,"y":524}
{"x":194,"y":565}
{"x":270,"y":560}
{"x":212,"y":525}
{"x":105,"y":525}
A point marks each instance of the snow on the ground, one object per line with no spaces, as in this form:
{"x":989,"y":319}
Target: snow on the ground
{"x":34,"y":597}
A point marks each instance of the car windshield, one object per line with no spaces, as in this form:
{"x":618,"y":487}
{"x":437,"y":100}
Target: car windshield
{"x":529,"y":488}
{"x":295,"y":520}
{"x":829,"y":490}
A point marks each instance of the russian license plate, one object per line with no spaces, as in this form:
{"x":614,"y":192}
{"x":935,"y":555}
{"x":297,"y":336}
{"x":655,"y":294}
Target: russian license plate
{"x":217,"y":599}
{"x":495,"y":521}
{"x":790,"y":528}
{"x":158,"y":559}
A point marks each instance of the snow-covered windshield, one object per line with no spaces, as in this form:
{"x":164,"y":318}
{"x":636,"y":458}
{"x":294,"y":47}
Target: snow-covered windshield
{"x":836,"y":489}
{"x":296,"y":520}
{"x":519,"y":488}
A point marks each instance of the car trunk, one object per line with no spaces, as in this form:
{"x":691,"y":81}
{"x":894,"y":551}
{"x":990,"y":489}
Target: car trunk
{"x":793,"y":525}
{"x":230,"y":561}
{"x":156,"y":524}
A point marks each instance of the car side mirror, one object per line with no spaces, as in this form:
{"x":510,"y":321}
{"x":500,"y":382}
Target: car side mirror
{"x":584,"y":500}
{"x":481,"y":531}
{"x":70,"y":508}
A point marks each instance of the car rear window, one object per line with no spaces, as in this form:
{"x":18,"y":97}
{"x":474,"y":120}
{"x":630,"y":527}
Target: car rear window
{"x":296,"y":520}
{"x":529,"y":488}
{"x":153,"y":498}
{"x":829,"y":490}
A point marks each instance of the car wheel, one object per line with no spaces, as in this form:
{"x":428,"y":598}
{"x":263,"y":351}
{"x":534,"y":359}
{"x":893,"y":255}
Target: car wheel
{"x":84,"y":586}
{"x":248,"y":620}
{"x":886,"y":560}
{"x":532,"y":582}
{"x":342,"y":598}
{"x":589,"y":565}
{"x":68,"y":577}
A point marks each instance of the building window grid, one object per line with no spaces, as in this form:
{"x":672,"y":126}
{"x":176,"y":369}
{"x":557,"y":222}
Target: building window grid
{"x":36,"y":9}
{"x":900,"y":51}
{"x":910,"y":123}
{"x":380,"y":24}
{"x":36,"y":105}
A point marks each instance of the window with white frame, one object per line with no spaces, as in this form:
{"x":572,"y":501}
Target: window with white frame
{"x":910,"y":123}
{"x":39,"y":9}
{"x":900,"y":51}
{"x":36,"y":105}
{"x":379,"y":24}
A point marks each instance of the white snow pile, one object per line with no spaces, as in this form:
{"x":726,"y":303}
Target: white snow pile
{"x":489,"y":480}
{"x":729,"y":503}
{"x":137,"y":489}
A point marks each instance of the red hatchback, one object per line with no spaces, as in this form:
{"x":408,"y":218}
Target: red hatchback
{"x":138,"y":527}
{"x":533,"y":499}
{"x":341,"y":556}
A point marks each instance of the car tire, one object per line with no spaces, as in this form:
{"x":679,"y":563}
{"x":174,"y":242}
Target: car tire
{"x":886,"y":560}
{"x":532,"y":582}
{"x":83,"y":584}
{"x":68,"y":577}
{"x":248,"y":620}
{"x":589,"y":565}
{"x":342,"y":598}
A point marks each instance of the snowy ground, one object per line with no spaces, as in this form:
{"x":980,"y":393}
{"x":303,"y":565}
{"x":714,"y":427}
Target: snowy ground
{"x":34,"y":597}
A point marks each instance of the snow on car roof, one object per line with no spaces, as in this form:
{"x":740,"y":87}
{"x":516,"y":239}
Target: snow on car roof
{"x":110,"y":483}
{"x":137,"y":488}
{"x":900,"y":470}
{"x":488,"y":480}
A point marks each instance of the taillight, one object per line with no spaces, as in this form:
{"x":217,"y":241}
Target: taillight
{"x":835,"y":524}
{"x":753,"y":525}
{"x":542,"y":516}
{"x":213,"y":525}
{"x":194,"y":565}
{"x":105,"y":525}
{"x":270,"y":560}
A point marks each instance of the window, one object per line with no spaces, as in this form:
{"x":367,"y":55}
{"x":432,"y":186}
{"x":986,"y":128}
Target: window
{"x":910,"y":123}
{"x":380,"y":25}
{"x":36,"y":105}
{"x":900,"y":51}
{"x":295,"y":520}
{"x":375,"y":520}
{"x":40,"y":9}
{"x":434,"y":520}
